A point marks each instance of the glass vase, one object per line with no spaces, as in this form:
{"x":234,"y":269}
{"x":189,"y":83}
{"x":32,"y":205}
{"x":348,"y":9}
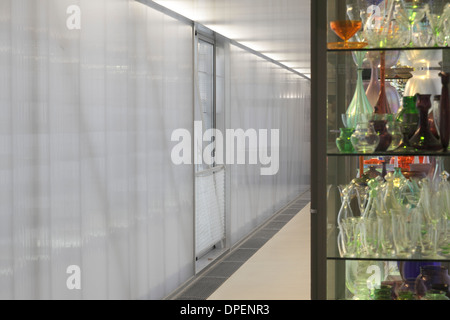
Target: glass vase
{"x":423,"y":139}
{"x":373,"y":88}
{"x":365,"y":139}
{"x":359,"y":105}
{"x":382,"y":105}
{"x":343,"y":142}
{"x":408,"y":120}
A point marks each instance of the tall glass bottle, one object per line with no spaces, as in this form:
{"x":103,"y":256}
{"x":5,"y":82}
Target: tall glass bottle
{"x":444,"y":112}
{"x":382,"y":106}
{"x":408,"y":118}
{"x":359,"y":105}
{"x":423,"y":139}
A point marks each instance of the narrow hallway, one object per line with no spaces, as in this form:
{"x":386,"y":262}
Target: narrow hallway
{"x":272,"y":264}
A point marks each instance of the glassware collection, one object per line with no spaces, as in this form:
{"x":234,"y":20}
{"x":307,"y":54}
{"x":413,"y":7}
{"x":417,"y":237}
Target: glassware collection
{"x":393,"y":24}
{"x":399,"y":24}
{"x":396,"y":209}
{"x":392,"y":217}
{"x":397,"y":217}
{"x":419,"y":125}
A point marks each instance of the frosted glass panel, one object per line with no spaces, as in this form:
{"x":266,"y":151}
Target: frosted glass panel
{"x":87,"y":111}
{"x":266,"y":96}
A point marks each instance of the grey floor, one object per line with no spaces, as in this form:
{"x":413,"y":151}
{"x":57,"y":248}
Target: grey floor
{"x":204,"y":285}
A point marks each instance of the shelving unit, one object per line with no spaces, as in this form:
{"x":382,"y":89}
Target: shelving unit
{"x":333,"y":85}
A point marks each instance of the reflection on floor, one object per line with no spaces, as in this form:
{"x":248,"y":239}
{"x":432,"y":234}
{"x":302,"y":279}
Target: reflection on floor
{"x":272,"y":264}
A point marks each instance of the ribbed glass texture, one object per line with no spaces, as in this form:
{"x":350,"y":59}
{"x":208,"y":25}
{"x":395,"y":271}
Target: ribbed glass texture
{"x":266,"y":96}
{"x":87,"y":109}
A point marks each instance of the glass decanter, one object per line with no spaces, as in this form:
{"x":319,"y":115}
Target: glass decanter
{"x":362,"y":194}
{"x":439,"y":170}
{"x":345,"y":211}
{"x":423,"y":139}
{"x":365,"y":139}
{"x":345,"y":222}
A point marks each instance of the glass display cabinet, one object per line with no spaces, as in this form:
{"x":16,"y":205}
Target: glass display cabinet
{"x":380,"y":206}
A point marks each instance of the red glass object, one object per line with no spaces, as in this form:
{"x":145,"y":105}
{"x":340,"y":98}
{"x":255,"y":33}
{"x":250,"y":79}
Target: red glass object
{"x":423,"y":139}
{"x":382,"y":106}
{"x":444,"y":112}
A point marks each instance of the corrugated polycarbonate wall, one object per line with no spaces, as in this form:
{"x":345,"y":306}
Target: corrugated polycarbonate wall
{"x":90,"y":93}
{"x":265,"y":96}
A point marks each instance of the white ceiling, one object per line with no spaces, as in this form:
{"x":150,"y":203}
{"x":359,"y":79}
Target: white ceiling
{"x":279,"y":29}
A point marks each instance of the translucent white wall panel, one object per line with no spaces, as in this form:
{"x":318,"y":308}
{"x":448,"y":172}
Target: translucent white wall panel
{"x":266,"y":96}
{"x":86,"y":176}
{"x":278,"y":28}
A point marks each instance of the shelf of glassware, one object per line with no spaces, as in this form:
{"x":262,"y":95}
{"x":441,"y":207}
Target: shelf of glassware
{"x":388,"y":49}
{"x":337,"y":153}
{"x":381,"y":219}
{"x":442,"y":254}
{"x":345,"y":85}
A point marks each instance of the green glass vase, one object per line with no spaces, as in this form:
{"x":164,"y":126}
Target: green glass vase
{"x":408,"y":119}
{"x":343,"y":142}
